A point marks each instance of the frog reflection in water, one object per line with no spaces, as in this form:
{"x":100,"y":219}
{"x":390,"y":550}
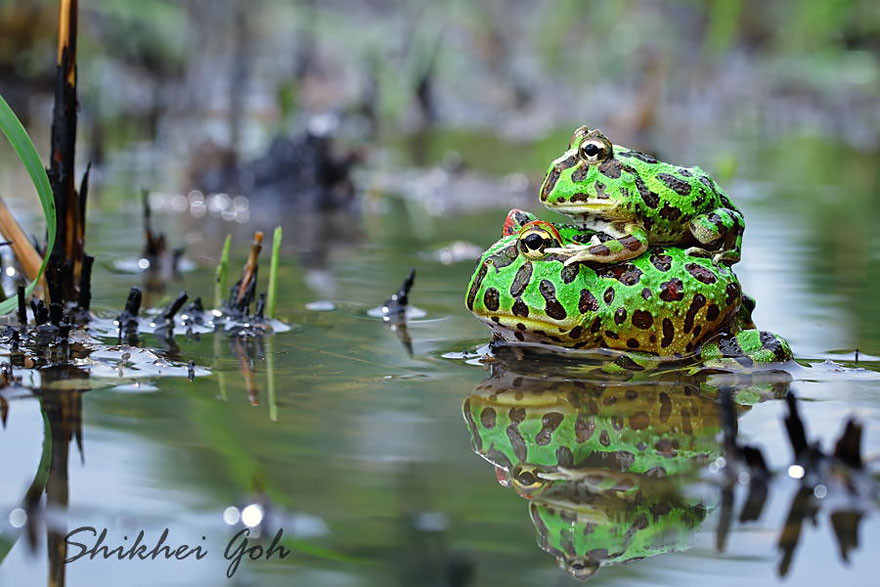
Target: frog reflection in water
{"x":636,"y":201}
{"x":666,"y":302}
{"x":603,"y":466}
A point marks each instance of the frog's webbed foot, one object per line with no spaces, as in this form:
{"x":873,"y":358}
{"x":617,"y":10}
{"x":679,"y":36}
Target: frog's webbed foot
{"x":721,"y":232}
{"x":744,"y":349}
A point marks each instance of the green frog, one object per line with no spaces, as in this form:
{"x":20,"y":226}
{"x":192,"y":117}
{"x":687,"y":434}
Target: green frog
{"x":636,"y":201}
{"x":666,"y":303}
{"x":603,"y":465}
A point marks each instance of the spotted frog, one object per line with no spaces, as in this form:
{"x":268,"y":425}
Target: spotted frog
{"x":636,"y":201}
{"x":668,"y":302}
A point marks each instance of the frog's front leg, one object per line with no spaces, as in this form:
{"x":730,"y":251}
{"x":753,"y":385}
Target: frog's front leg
{"x":721,"y":229}
{"x":628,"y":241}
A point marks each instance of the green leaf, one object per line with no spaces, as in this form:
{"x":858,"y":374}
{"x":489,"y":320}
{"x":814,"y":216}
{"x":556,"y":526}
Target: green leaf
{"x":24,"y":148}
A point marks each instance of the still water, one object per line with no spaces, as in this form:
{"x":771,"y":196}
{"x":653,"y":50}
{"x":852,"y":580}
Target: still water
{"x":368,"y":459}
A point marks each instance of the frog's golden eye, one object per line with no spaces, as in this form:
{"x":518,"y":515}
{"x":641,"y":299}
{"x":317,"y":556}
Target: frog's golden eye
{"x":533,"y":242}
{"x":593,"y":151}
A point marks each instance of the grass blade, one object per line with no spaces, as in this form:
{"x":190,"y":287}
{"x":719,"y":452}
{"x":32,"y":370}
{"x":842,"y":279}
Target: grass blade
{"x":27,"y":153}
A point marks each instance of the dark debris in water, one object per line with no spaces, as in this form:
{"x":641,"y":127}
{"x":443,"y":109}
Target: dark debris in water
{"x":819,"y":474}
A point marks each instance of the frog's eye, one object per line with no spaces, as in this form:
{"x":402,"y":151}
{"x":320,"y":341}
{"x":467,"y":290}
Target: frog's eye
{"x":534,"y":241}
{"x":582,"y":567}
{"x":593,"y":151}
{"x":577,"y":135}
{"x":524,"y":479}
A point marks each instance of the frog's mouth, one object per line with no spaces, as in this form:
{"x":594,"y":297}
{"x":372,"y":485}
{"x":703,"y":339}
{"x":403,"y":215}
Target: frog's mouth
{"x":528,"y":326}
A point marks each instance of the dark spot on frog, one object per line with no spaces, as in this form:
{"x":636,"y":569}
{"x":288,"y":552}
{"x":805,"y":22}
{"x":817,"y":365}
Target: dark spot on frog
{"x":688,"y":347}
{"x":638,"y":155}
{"x":686,"y":425}
{"x":640,"y":523}
{"x":639,"y":421}
{"x":587,"y":302}
{"x":599,"y":250}
{"x":680,"y":187}
{"x":642,"y":319}
{"x":583,"y":428}
{"x":670,"y":212}
{"x":665,"y":406}
{"x":596,"y":325}
{"x":620,"y":316}
{"x":550,"y":182}
{"x":504,"y":257}
{"x":580,"y":237}
{"x":604,"y":440}
{"x":698,"y":302}
{"x":697,"y":330}
{"x":667,"y":447}
{"x":653,"y":338}
{"x":487,"y":418}
{"x":630,"y":243}
{"x":576,"y":332}
{"x":552,"y":306}
{"x":608,"y":296}
{"x":521,"y":218}
{"x":521,"y":279}
{"x":668,"y":333}
{"x":672,"y":290}
{"x":646,"y":293}
{"x":684,"y":172}
{"x":632,"y":343}
{"x":651,"y":199}
{"x":733,"y":291}
{"x":611,"y":334}
{"x":712,"y":312}
{"x":520,"y":326}
{"x":491,"y":299}
{"x":625,"y":273}
{"x":661,"y":262}
{"x":631,"y":395}
{"x":564,"y":457}
{"x":707,"y":181}
{"x":549,"y":423}
{"x":599,"y":188}
{"x":578,"y":197}
{"x":580,"y":174}
{"x":475,"y":286}
{"x":569,"y":272}
{"x":495,"y":319}
{"x":519,"y":336}
{"x":520,"y":308}
{"x":610,"y":168}
{"x":627,"y":363}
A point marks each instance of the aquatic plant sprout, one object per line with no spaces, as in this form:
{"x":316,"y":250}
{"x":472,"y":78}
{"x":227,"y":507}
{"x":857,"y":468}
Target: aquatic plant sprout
{"x":27,"y":153}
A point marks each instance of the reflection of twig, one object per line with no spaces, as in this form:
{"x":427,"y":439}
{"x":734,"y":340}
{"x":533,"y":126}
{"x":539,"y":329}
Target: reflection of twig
{"x":247,"y":370}
{"x":270,"y":379}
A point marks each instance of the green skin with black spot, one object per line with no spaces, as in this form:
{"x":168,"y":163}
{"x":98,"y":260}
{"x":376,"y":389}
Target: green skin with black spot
{"x":666,"y":302}
{"x":640,"y":202}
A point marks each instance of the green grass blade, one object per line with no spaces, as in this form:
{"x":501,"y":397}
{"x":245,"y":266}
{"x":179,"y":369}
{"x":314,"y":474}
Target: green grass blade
{"x":273,"y":274}
{"x":222,"y":274}
{"x":24,"y":148}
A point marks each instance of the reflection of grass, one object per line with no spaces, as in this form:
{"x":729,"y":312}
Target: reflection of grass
{"x":24,"y":148}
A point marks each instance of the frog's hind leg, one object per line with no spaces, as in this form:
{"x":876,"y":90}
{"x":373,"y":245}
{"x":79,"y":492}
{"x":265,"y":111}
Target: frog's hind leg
{"x":745,"y":349}
{"x":720,"y":233}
